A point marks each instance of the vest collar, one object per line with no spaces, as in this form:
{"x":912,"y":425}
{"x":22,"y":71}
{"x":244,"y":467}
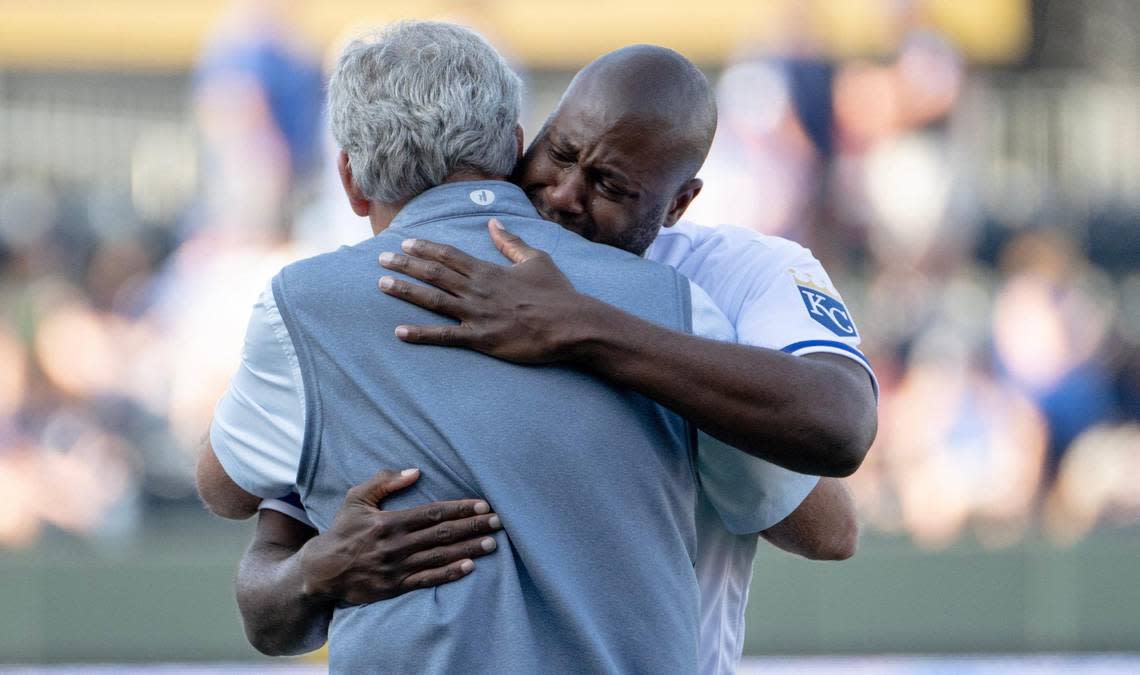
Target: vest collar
{"x":464,"y":198}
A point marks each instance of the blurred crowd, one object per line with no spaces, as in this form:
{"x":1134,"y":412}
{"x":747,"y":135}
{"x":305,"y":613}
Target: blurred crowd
{"x":1009,"y":357}
{"x":1007,"y":346}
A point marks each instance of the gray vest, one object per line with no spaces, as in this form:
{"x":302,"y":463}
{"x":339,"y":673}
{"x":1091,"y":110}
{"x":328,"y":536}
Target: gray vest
{"x":595,"y":484}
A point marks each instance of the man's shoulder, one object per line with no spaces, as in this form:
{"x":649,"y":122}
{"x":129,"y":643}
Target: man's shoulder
{"x":578,"y":250}
{"x":330,"y":264}
{"x":699,"y":251}
{"x":723,"y":244}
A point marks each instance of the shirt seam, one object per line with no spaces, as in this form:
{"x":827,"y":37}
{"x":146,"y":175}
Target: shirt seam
{"x":684,"y":235}
{"x":311,"y":438}
{"x":285,"y":342}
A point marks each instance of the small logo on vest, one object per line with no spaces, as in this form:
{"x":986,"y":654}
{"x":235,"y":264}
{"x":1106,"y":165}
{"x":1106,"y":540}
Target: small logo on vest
{"x":482,"y":197}
{"x":826,"y":310}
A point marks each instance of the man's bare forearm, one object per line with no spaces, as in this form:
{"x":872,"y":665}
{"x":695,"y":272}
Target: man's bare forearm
{"x":823,"y":527}
{"x":291,"y":578}
{"x":280,"y":618}
{"x":813,"y":414}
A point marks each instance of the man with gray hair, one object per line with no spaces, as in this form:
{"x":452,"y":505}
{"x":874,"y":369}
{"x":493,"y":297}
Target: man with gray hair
{"x":595,"y":485}
{"x":424,"y":104}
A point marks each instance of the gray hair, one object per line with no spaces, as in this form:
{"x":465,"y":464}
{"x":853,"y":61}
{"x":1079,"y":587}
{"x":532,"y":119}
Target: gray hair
{"x":420,"y":101}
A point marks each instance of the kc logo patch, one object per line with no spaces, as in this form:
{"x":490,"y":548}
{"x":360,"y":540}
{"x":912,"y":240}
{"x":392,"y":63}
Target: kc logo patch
{"x":827,"y":310}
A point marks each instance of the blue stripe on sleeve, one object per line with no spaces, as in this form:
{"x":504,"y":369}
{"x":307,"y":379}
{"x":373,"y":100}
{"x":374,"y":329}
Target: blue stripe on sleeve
{"x":797,"y":346}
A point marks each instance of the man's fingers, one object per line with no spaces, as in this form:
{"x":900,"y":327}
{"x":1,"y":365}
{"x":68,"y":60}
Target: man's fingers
{"x":512,"y":246}
{"x":445,"y":555}
{"x":437,"y":576}
{"x":384,"y":483}
{"x":449,"y":532}
{"x":448,"y":256}
{"x":443,"y":336}
{"x":429,"y":515}
{"x":433,"y":273}
{"x":431,"y":299}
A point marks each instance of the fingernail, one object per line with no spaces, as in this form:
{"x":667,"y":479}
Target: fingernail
{"x":408,"y":472}
{"x":496,"y":224}
{"x":466,"y":566}
{"x":408,"y":244}
{"x":386,"y":257}
{"x":481,"y":508}
{"x":401,"y":332}
{"x":488,"y":544}
{"x":386,"y":282}
{"x":494,"y":522}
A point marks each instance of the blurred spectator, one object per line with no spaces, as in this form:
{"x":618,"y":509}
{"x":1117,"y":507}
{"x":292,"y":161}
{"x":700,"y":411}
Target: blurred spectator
{"x":959,"y":448}
{"x":989,"y":374}
{"x":258,"y":100}
{"x":258,"y":97}
{"x":1096,"y":483}
{"x":1050,"y":320}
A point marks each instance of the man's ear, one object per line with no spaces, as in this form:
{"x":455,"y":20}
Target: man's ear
{"x":360,"y":204}
{"x":681,"y":201}
{"x":518,"y":142}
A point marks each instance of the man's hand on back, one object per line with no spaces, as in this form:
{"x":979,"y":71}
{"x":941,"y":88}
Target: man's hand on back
{"x":369,"y":554}
{"x":526,"y":313}
{"x":813,"y":414}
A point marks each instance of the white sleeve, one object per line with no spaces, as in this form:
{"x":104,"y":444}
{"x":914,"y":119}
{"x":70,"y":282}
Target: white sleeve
{"x":708,"y":321}
{"x":259,"y":423}
{"x":800,"y":312}
{"x":289,"y":505}
{"x":750,"y":494}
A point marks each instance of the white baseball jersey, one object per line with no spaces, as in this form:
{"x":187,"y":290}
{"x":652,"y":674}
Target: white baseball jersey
{"x":775,"y":295}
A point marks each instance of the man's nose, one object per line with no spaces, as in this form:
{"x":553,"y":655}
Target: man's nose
{"x":568,"y":194}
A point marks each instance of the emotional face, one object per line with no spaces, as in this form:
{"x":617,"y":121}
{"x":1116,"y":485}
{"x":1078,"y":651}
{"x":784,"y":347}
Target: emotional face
{"x":607,"y":177}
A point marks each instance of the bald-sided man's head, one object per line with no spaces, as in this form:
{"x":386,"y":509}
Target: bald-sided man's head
{"x":654,"y":87}
{"x":617,"y":159}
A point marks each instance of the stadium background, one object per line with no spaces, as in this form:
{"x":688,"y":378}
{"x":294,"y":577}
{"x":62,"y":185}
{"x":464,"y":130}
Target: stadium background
{"x":968,"y":170}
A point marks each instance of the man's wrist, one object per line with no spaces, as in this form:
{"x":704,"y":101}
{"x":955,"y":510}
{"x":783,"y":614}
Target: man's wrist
{"x":587,"y":327}
{"x":316,"y":584}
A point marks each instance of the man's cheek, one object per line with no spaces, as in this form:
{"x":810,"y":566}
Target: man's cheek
{"x":609,"y":225}
{"x":545,"y":171}
{"x":609,"y":218}
{"x":533,"y":176}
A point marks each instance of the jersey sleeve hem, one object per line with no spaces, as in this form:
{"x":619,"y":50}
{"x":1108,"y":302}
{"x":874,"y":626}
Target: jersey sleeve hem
{"x":834,"y":347}
{"x":772,"y":511}
{"x":287,"y":508}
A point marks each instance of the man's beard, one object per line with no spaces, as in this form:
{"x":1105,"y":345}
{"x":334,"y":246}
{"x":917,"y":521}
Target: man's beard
{"x":635,"y":240}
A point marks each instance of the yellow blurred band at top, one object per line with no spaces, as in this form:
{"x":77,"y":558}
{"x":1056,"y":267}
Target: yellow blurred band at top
{"x":142,"y":34}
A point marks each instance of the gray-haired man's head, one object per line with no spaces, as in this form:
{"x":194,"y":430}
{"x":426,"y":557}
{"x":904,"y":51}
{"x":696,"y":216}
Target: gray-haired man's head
{"x":419,"y":102}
